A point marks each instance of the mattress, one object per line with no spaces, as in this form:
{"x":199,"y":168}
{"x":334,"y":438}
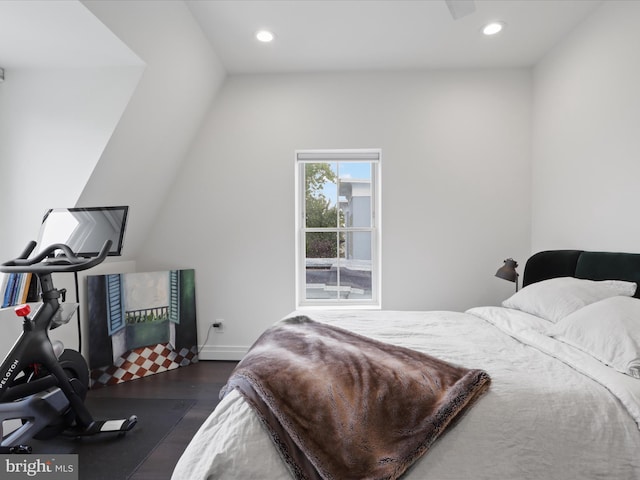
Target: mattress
{"x":552,"y":411}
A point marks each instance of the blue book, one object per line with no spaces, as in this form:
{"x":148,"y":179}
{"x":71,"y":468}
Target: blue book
{"x":7,"y":293}
{"x":15,"y":292}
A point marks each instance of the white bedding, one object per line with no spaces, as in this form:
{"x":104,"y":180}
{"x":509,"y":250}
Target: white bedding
{"x":549,"y":414}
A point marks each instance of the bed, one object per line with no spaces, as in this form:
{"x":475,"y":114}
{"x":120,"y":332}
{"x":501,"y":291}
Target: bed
{"x":563,"y":356}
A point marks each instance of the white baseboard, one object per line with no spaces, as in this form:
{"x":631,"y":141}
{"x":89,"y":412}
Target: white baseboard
{"x":223,"y":352}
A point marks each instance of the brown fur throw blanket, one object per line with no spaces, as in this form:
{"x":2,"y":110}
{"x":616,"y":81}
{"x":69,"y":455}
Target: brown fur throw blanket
{"x":342,"y":406}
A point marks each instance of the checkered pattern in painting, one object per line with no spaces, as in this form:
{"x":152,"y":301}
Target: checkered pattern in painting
{"x":141,"y":362}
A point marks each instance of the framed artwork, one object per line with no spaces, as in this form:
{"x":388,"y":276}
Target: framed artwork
{"x":140,"y":324}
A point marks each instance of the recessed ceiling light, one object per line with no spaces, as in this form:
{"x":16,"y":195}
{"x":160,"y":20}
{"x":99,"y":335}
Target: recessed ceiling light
{"x":264,"y":36}
{"x":493,"y":28}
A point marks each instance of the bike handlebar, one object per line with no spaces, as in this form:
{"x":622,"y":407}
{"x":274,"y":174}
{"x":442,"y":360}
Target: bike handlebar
{"x":42,"y":264}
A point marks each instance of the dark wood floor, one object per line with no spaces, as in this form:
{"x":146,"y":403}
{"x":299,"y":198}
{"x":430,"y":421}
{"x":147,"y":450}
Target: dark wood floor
{"x":201,"y":382}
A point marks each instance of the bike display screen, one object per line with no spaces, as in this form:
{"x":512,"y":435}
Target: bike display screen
{"x":84,"y":230}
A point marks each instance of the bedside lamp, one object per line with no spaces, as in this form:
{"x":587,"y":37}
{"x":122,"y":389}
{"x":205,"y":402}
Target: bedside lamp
{"x":508,"y":271}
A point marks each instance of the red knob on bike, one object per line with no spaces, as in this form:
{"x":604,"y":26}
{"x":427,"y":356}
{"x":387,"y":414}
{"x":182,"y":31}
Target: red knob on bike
{"x":23,"y":310}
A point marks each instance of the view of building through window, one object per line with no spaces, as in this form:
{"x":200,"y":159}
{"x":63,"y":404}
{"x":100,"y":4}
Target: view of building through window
{"x":339,"y":229}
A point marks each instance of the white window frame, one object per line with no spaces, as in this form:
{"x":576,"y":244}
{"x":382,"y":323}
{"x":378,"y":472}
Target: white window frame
{"x":369,"y":155}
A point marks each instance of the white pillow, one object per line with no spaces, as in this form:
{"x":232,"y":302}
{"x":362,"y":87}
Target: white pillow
{"x":556,"y":298}
{"x":608,"y":330}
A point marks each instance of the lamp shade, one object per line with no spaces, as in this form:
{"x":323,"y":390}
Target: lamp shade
{"x":508,"y":270}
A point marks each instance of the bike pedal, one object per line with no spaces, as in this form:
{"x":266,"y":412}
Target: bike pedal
{"x":22,"y":449}
{"x":17,"y":449}
{"x":120,"y":426}
{"x":117,"y":426}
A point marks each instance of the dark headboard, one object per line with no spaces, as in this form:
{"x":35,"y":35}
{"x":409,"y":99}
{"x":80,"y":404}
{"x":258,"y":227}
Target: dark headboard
{"x":581,"y":264}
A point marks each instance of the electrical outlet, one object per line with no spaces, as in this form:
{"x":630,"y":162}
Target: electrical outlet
{"x":218,"y":325}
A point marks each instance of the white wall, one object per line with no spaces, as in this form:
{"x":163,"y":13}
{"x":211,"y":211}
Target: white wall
{"x":586,"y":155}
{"x":54,"y":125}
{"x":181,"y":78}
{"x":455,"y":190}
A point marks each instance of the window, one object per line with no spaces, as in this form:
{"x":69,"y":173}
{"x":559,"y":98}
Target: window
{"x":338,"y":228}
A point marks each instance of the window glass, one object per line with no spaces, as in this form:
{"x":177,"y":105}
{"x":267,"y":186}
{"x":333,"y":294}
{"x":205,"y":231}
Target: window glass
{"x":338,"y":232}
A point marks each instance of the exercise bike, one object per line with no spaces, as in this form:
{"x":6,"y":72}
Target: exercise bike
{"x":42,"y":384}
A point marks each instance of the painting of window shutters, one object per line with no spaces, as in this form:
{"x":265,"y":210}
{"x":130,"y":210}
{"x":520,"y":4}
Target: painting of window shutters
{"x":140,"y":324}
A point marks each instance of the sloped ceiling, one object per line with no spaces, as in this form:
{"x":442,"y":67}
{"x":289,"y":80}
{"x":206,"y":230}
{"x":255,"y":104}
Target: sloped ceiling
{"x":182,"y":75}
{"x":139,"y":157}
{"x":54,"y":34}
{"x":54,"y":124}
